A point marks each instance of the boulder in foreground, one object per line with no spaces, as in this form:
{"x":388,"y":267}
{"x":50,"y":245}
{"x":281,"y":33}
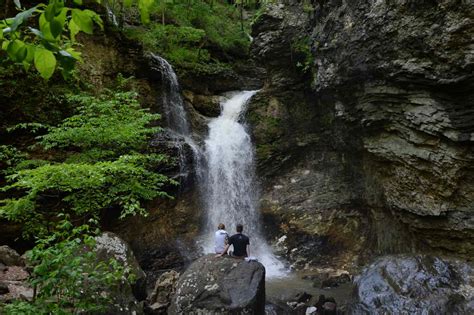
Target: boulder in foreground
{"x":220,"y":285}
{"x":414,"y":285}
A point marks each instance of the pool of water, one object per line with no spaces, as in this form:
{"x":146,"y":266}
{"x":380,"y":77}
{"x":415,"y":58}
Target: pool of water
{"x":283,"y":289}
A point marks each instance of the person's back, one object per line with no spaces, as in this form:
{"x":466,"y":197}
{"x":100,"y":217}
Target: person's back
{"x":240,"y":242}
{"x":220,"y":239}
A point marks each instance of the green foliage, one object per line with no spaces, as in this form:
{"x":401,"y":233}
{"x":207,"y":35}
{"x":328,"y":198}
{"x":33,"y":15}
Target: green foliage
{"x":9,"y":157}
{"x":67,"y":275}
{"x":103,"y":166}
{"x":45,"y":34}
{"x":195,"y":34}
{"x":111,"y":125}
{"x":37,"y":36}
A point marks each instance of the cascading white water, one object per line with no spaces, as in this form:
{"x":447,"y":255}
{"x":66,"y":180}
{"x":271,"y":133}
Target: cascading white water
{"x":226,"y":170}
{"x":172,"y":100}
{"x":178,"y":130}
{"x":228,"y":180}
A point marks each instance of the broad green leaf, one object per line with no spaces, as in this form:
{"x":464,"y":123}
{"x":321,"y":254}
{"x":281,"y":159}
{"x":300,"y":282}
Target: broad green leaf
{"x":61,"y":17}
{"x":56,"y":27}
{"x":5,"y":44}
{"x":45,"y":28}
{"x":78,"y":2}
{"x":31,"y":53}
{"x":58,"y":6}
{"x":21,"y":17}
{"x":1,"y":34}
{"x":17,"y":50}
{"x":95,"y":17}
{"x":49,"y":12}
{"x":73,"y":29}
{"x":45,"y":62}
{"x":83,"y":21}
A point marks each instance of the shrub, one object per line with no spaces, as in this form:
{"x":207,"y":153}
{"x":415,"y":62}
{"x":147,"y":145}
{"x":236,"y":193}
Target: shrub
{"x":104,"y":165}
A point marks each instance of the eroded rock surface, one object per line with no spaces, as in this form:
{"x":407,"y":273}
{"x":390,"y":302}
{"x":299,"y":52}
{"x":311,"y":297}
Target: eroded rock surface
{"x":160,"y":298}
{"x":221,"y":285}
{"x":375,"y":152}
{"x":125,"y":301}
{"x":13,"y":277}
{"x":414,"y":285}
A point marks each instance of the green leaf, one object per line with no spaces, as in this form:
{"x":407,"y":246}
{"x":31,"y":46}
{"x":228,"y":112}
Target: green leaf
{"x":56,"y":27}
{"x":73,"y":29}
{"x":78,"y":2}
{"x":5,"y":44}
{"x":30,"y":53}
{"x":49,"y":12}
{"x":83,"y":21}
{"x":127,"y":3}
{"x":17,"y":50}
{"x":74,"y":53}
{"x":26,"y":65}
{"x":17,"y":4}
{"x":22,"y":17}
{"x":45,"y":62}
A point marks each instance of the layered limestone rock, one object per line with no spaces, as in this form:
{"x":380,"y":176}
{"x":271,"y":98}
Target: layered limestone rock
{"x":376,"y":150}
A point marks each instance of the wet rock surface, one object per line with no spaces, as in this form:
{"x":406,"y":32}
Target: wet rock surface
{"x":160,"y":298}
{"x":414,"y":285}
{"x":220,"y":285}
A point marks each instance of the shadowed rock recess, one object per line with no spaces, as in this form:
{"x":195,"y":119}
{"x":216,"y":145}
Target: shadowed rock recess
{"x":374,"y":148}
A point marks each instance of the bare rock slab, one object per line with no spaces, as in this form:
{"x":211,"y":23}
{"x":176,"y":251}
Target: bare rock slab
{"x":220,"y":285}
{"x":414,"y":285}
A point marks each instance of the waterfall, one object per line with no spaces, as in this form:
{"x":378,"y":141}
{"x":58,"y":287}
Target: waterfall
{"x":225,"y":168}
{"x":230,"y":190}
{"x":178,"y":131}
{"x":173,"y":107}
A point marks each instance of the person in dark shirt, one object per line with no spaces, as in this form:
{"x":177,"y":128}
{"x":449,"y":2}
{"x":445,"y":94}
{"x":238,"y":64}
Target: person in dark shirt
{"x":240,"y":242}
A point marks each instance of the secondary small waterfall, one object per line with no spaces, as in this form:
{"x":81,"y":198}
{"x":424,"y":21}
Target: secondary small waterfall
{"x":178,"y":131}
{"x":230,"y":190}
{"x":173,"y":107}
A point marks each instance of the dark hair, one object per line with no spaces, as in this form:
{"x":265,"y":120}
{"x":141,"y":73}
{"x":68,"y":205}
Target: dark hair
{"x":239,"y":228}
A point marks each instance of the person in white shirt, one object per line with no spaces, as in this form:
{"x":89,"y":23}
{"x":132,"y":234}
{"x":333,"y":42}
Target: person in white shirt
{"x":220,"y":239}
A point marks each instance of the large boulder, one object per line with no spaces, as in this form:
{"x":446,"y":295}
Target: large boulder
{"x":414,"y":285}
{"x":10,"y":257}
{"x":108,"y":246}
{"x":220,"y":285}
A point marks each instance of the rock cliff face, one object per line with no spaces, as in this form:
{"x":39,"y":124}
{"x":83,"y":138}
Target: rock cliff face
{"x":376,"y":150}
